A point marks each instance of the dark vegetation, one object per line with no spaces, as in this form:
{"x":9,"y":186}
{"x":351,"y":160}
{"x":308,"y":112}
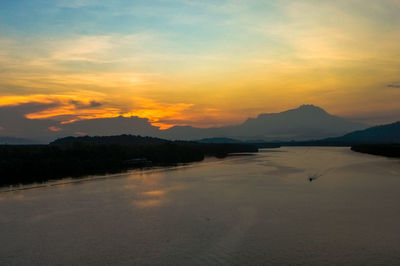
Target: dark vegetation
{"x":78,"y":156}
{"x":388,"y":150}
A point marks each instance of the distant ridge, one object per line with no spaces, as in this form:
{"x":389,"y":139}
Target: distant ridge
{"x":374,"y":135}
{"x":16,"y":141}
{"x":377,"y":135}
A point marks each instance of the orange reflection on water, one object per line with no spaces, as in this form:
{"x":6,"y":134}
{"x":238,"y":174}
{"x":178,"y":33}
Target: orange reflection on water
{"x":149,"y":203}
{"x":12,"y":196}
{"x":130,"y":187}
{"x":152,"y":198}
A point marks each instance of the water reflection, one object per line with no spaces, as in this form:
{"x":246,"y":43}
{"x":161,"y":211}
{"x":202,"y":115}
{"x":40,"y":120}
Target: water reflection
{"x":154,"y":193}
{"x":153,"y":198}
{"x":145,"y":203}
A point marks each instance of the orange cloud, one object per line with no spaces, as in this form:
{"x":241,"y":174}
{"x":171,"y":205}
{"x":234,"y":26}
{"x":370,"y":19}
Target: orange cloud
{"x":54,"y":128}
{"x":18,"y":100}
{"x":72,"y":108}
{"x":156,"y":112}
{"x":72,"y":111}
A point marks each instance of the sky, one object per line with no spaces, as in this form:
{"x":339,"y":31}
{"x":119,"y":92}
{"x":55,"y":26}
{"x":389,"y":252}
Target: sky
{"x":199,"y":63}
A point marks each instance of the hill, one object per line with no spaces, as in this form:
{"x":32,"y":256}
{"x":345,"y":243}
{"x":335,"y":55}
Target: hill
{"x":374,"y":135}
{"x":303,"y":123}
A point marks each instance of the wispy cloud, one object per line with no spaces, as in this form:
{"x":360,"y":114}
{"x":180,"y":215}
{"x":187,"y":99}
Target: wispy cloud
{"x":85,"y":48}
{"x":75,"y":3}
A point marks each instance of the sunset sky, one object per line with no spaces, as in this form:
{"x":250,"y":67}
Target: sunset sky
{"x":199,"y":63}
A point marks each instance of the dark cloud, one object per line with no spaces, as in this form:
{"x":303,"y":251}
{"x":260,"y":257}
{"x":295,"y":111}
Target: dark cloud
{"x":394,"y":86}
{"x":95,"y":104}
{"x":82,"y":105}
{"x":13,"y":123}
{"x":26,"y":108}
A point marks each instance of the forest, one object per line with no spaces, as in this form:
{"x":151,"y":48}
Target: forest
{"x":79,"y":156}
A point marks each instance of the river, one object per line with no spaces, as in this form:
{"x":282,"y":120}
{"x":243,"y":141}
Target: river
{"x":241,"y":210}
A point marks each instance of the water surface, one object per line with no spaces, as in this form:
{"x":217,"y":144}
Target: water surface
{"x":259,"y":209}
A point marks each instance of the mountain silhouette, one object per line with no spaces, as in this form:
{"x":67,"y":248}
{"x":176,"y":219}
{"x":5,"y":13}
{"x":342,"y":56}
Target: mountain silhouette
{"x":303,"y":123}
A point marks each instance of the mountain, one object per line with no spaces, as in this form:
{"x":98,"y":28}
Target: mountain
{"x":303,"y":123}
{"x":374,"y":135}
